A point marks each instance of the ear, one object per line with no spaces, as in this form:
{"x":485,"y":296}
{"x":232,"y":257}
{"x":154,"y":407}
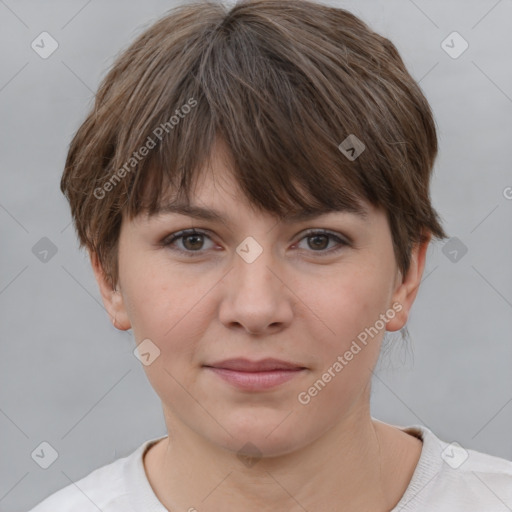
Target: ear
{"x":112,"y":299}
{"x":406,"y":290}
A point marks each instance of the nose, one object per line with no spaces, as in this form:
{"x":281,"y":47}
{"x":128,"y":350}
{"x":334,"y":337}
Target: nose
{"x":256,"y":297}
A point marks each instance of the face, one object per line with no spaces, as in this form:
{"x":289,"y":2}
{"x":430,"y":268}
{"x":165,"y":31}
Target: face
{"x":254,"y":288}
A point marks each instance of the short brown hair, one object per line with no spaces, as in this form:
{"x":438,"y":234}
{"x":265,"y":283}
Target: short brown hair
{"x":282,"y":84}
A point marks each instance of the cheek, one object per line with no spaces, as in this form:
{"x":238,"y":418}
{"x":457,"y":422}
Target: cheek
{"x":171,"y":314}
{"x":164,"y":307}
{"x":348,"y":341}
{"x":352,"y":305}
{"x":161,"y":312}
{"x":349,"y":349}
{"x":156,"y":295}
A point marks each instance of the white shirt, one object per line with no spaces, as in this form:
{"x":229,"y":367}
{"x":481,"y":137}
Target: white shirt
{"x":447,"y":478}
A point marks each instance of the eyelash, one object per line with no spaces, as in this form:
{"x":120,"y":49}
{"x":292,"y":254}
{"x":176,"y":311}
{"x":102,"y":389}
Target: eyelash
{"x":167,"y":242}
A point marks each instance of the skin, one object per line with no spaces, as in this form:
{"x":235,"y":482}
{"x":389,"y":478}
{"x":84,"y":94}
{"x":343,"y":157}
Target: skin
{"x":297,"y":301}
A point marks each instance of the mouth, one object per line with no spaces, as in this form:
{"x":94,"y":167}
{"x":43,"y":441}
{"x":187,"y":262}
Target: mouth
{"x":256,"y":375}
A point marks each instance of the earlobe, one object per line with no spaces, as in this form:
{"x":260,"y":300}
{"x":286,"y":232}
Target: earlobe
{"x":407,"y":289}
{"x":120,"y":320}
{"x":112,"y":298}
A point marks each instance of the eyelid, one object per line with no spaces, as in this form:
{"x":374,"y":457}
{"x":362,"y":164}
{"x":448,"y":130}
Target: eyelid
{"x":322,"y":231}
{"x":183,"y":233}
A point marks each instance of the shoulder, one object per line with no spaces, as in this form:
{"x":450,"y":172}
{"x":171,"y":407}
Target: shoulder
{"x":451,"y":478}
{"x":104,"y":488}
{"x":94,"y":492}
{"x":480,"y":478}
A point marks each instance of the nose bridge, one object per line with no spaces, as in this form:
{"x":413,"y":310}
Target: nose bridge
{"x":257,"y":297}
{"x":255,"y":267}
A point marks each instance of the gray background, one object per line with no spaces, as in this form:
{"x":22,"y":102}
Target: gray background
{"x":69,"y":378}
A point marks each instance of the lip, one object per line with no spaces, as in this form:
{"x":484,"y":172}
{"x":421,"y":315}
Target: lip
{"x":264,"y":365}
{"x":255,"y":375}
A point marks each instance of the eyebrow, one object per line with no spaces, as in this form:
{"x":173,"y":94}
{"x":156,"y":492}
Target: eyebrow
{"x":210,"y":214}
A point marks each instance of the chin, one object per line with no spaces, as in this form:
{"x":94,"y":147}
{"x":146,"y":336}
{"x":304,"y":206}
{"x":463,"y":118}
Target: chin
{"x":257,"y":433}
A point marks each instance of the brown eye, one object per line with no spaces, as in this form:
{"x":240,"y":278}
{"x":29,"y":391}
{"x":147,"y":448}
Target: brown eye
{"x":318,"y":241}
{"x":192,"y":242}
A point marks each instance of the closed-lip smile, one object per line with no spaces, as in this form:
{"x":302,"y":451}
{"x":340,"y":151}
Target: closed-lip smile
{"x":261,"y":375}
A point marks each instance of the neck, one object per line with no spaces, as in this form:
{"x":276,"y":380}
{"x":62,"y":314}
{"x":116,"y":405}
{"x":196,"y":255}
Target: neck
{"x":353,"y":465}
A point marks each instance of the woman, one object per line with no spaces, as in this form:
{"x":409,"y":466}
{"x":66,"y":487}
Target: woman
{"x":252,"y":186}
